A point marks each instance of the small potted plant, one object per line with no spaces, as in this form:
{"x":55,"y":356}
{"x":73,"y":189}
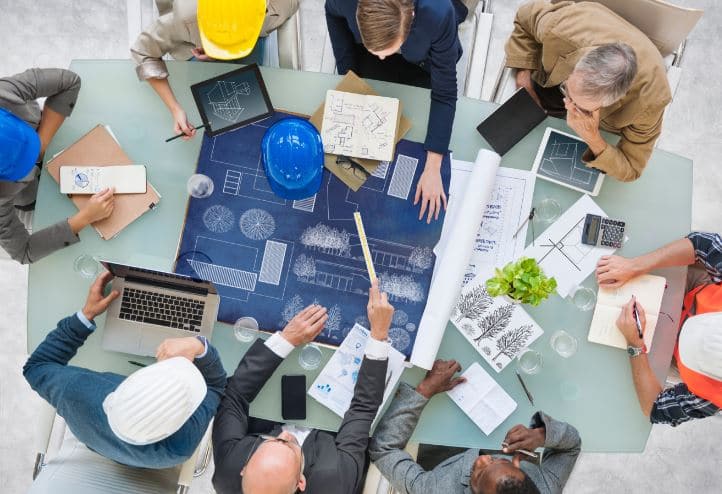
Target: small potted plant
{"x":522,"y":282}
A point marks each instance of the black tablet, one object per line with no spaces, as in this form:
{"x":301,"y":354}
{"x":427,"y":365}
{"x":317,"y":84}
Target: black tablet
{"x":232,"y":100}
{"x":511,"y":121}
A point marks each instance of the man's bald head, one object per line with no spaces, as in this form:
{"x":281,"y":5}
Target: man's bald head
{"x":274,"y":468}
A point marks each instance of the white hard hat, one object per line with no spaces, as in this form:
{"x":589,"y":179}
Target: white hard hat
{"x":700,"y":344}
{"x":154,"y":402}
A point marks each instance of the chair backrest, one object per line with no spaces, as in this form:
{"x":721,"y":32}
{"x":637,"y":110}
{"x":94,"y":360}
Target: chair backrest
{"x":666,"y":25}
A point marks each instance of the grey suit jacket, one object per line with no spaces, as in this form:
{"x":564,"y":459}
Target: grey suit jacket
{"x":17,"y":95}
{"x":561,"y":449}
{"x":335,"y":463}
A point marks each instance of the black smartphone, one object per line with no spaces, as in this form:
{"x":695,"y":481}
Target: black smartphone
{"x":293,"y":397}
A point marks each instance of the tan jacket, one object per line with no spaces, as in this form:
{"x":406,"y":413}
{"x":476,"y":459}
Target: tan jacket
{"x":176,"y":33}
{"x":551,"y":38}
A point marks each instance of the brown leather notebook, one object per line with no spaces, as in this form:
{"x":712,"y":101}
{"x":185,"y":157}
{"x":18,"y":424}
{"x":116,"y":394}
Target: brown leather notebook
{"x":100,"y":148}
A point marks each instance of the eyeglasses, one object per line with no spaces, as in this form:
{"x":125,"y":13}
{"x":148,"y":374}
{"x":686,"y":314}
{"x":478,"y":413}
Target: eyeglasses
{"x":352,"y":167}
{"x":565,"y":92}
{"x":263,"y":438}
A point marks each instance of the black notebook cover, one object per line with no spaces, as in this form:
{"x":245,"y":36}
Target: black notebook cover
{"x":511,"y":122}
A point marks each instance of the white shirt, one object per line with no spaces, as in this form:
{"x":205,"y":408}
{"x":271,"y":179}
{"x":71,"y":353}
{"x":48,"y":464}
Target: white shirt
{"x":375,"y":349}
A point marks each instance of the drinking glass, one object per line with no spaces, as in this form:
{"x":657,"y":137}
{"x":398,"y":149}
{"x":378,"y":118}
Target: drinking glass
{"x":563,"y":343}
{"x":310,"y":356}
{"x":86,"y":266}
{"x":548,"y":210}
{"x":530,"y":362}
{"x":584,"y":298}
{"x":199,"y":186}
{"x":245,"y":329}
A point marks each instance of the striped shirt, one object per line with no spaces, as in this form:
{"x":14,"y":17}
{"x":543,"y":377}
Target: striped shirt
{"x":708,"y":252}
{"x":678,"y":404}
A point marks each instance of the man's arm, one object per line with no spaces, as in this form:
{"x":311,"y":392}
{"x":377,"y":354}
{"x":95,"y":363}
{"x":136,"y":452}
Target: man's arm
{"x":614,"y":271}
{"x":342,"y":39}
{"x":398,"y":423}
{"x":629,"y":157}
{"x":562,"y":446}
{"x":165,"y":35}
{"x":707,"y":249}
{"x":677,"y":405}
{"x":531,"y":24}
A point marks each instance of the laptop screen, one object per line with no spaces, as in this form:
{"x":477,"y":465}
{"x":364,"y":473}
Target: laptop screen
{"x":160,"y":278}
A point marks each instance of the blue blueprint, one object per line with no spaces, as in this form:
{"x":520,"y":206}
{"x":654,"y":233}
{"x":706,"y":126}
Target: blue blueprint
{"x":271,"y":257}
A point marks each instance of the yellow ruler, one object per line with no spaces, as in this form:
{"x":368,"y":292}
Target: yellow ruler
{"x":364,"y":245}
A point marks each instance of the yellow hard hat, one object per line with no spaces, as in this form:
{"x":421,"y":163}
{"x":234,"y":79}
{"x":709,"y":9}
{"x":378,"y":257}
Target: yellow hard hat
{"x":229,"y":28}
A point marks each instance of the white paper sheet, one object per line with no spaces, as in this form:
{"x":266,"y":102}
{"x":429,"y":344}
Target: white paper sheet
{"x":482,"y":399}
{"x":506,"y":211}
{"x":333,"y":388}
{"x":451,"y":266}
{"x":496,"y":329}
{"x":559,"y":249}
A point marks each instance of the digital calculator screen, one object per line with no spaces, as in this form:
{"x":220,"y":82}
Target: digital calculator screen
{"x":592,"y":230}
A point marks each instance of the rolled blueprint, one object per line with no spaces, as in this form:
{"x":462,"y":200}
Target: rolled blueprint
{"x":451,"y":266}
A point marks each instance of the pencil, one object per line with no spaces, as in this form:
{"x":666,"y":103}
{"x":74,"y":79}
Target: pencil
{"x":528,"y":394}
{"x":204,"y":126}
{"x":364,"y":245}
{"x":637,"y":321}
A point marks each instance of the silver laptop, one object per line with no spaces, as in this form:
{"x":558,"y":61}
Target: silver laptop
{"x":153,"y":306}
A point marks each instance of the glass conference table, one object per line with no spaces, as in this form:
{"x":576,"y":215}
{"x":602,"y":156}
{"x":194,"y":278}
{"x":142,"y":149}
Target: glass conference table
{"x":592,"y":390}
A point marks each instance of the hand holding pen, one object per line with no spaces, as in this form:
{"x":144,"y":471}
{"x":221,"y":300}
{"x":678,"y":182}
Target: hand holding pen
{"x":524,"y":440}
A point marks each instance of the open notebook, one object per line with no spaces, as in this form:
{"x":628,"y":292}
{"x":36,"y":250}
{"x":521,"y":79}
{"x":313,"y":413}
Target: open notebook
{"x":648,"y":289}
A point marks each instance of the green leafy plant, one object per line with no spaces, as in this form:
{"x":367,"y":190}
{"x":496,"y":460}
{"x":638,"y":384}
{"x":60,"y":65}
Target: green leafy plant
{"x":523,"y":281}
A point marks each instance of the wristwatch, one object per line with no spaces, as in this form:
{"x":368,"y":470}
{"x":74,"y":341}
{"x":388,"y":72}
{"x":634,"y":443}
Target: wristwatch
{"x":635,"y":351}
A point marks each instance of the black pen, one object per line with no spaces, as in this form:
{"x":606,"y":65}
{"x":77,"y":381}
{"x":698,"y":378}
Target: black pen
{"x":636,"y":319}
{"x":526,"y":390}
{"x":133,"y":362}
{"x":204,"y":126}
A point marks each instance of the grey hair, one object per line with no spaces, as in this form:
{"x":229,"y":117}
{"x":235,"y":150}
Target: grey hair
{"x":607,"y":72}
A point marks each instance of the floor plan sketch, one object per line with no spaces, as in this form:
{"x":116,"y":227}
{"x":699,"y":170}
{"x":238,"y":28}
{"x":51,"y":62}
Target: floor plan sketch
{"x":226,"y":98}
{"x":559,"y":159}
{"x":360,"y":126}
{"x":270,"y":258}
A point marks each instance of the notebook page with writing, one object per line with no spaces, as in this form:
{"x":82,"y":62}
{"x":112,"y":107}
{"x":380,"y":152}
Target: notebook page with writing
{"x":649,"y":290}
{"x":482,"y":399}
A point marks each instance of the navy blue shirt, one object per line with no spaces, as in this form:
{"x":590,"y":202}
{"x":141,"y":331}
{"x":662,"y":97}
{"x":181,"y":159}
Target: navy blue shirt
{"x":433,"y":43}
{"x":77,"y":394}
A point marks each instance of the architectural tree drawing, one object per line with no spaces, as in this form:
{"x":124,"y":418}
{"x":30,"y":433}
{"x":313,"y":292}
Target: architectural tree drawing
{"x":257,"y":224}
{"x":494,"y":323}
{"x":401,"y":286}
{"x":421,"y":258}
{"x":305,"y":268}
{"x":472,"y":304}
{"x":327,"y":239}
{"x":333,"y":324}
{"x":218,"y":219}
{"x":292,"y":307}
{"x":513,"y":342}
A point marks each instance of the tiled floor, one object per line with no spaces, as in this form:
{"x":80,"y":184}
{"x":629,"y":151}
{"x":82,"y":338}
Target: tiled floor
{"x":51,"y":33}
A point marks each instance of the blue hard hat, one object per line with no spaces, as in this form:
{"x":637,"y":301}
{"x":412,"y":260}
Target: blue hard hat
{"x":292,"y":156}
{"x":19,"y":147}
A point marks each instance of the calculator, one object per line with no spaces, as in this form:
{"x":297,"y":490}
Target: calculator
{"x":603,"y":231}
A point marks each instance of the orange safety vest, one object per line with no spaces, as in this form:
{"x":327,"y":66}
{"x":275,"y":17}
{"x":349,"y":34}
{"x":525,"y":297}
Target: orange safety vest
{"x":701,"y":299}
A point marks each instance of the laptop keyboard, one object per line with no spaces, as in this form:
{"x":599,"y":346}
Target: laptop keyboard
{"x":163,"y":310}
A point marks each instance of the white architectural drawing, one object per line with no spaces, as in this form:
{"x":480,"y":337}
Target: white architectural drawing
{"x":381,"y":170}
{"x":327,"y":239}
{"x":400,"y":339}
{"x":223,"y":275}
{"x":358,"y":125}
{"x":565,"y":163}
{"x":272,"y":265}
{"x":225,"y":99}
{"x":403,"y":176}
{"x":306,"y":205}
{"x":257,"y":224}
{"x":305,"y":268}
{"x":400,"y":317}
{"x":401,"y":287}
{"x":218,"y":219}
{"x":293,"y":306}
{"x":232,"y":183}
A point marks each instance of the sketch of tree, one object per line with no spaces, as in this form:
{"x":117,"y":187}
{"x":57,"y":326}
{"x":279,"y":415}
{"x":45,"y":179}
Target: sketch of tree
{"x":327,"y":238}
{"x":333,"y":323}
{"x":421,"y":258}
{"x":305,"y":267}
{"x":472,"y":304}
{"x":402,"y":287}
{"x":511,"y":343}
{"x":292,"y":307}
{"x":468,"y":329}
{"x":494,"y":323}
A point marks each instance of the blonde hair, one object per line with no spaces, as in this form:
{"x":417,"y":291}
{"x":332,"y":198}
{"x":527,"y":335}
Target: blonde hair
{"x":383,"y":22}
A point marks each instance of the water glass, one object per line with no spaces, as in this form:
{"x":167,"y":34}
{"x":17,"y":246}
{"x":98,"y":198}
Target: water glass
{"x":310,"y":357}
{"x":563,"y":343}
{"x":548,"y":210}
{"x":200,"y":186}
{"x":584,"y":298}
{"x":530,"y":362}
{"x":86,"y":266}
{"x":245,"y":329}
